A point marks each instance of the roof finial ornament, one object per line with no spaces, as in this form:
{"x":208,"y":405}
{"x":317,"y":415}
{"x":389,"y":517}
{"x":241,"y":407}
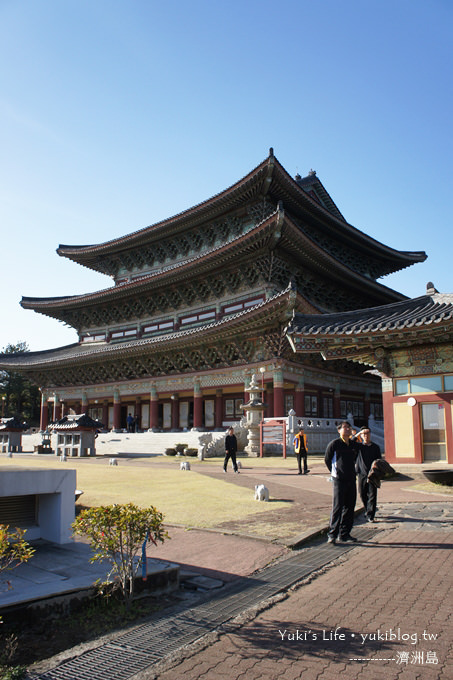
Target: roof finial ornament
{"x":431,"y":288}
{"x":297,"y":177}
{"x":271,"y":152}
{"x":312,"y":173}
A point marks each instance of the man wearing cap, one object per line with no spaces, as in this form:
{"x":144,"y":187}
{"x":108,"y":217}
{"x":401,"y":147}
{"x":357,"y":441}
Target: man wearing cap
{"x":301,"y":450}
{"x":340,"y":458}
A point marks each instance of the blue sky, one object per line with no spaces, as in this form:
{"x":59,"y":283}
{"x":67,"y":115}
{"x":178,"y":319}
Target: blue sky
{"x":117,"y":114}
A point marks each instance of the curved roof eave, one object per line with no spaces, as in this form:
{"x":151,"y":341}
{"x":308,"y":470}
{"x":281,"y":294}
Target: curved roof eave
{"x":214,"y":205}
{"x":268,"y":177}
{"x":399,"y":316}
{"x":282,"y":303}
{"x":341,"y":226}
{"x":169,"y":275}
{"x":267,"y":231}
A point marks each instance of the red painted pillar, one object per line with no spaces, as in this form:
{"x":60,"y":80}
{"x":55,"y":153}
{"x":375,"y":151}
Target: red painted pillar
{"x":153,"y":409}
{"x":299,"y":399}
{"x":389,"y":423}
{"x":116,"y":411}
{"x":175,"y":411}
{"x":218,"y":408}
{"x":197,"y":406}
{"x":336,"y":402}
{"x":105,"y":414}
{"x":44,"y":420}
{"x":269,"y":402}
{"x":138,"y":411}
{"x":366,"y":405}
{"x":279,"y":397}
{"x":55,"y":413}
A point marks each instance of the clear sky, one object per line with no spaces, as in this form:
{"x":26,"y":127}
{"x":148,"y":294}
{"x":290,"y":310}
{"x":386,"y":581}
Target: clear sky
{"x":115,"y":114}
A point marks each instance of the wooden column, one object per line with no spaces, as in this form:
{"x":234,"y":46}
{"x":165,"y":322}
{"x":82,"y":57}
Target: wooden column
{"x":174,"y":411}
{"x":389,"y":428}
{"x":55,"y":413}
{"x":138,"y":411}
{"x":197,"y":406}
{"x":299,"y":398}
{"x":153,"y":408}
{"x":366,"y":405}
{"x":270,"y":402}
{"x":105,"y":414}
{"x":279,"y":397}
{"x":116,"y":411}
{"x":218,"y":408}
{"x":336,"y":401}
{"x":44,"y":419}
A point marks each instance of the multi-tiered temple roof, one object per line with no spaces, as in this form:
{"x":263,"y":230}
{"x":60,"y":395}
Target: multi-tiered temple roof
{"x":215,"y":285}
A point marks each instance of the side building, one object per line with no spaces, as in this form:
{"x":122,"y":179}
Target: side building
{"x":201,"y":301}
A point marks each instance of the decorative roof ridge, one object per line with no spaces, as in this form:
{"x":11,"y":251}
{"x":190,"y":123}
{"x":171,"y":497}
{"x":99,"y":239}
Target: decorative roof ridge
{"x":67,"y":250}
{"x":39,"y":351}
{"x":341,"y":224}
{"x":372,"y":283}
{"x":312,"y":179}
{"x":414,"y":312}
{"x":102,"y":347}
{"x":31,"y":302}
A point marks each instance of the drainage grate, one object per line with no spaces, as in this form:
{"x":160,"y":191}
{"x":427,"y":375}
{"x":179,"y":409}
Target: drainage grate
{"x":101,"y":663}
{"x":138,"y":649}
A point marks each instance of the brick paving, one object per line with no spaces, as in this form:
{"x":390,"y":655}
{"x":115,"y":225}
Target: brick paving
{"x":397,"y":586}
{"x":397,"y":583}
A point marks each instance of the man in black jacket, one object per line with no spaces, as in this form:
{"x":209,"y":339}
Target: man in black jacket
{"x":231,"y":447}
{"x":340,"y":458}
{"x":368,"y":452}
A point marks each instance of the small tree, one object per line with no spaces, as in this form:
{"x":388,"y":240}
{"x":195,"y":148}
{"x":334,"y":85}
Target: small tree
{"x":118,"y":533}
{"x":13,"y":548}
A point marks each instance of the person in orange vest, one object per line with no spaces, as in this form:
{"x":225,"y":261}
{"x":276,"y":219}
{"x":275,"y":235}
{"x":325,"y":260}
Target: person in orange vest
{"x":301,"y":450}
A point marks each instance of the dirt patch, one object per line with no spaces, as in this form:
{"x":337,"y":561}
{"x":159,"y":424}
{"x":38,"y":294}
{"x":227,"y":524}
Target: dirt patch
{"x":41,"y":639}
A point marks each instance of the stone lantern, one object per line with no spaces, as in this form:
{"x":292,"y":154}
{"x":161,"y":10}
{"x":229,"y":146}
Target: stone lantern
{"x":254,"y":409}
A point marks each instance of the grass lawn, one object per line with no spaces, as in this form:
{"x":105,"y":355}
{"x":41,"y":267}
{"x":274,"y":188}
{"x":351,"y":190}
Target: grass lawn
{"x":187,"y":498}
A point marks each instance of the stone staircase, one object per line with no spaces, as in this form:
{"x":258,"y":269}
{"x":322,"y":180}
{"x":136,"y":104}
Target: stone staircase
{"x":137,"y":444}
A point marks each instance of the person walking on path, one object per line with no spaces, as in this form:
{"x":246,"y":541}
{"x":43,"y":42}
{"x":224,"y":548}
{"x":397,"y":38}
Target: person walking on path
{"x":340,"y":458}
{"x":368,"y":453}
{"x":301,"y":450}
{"x":231,"y":447}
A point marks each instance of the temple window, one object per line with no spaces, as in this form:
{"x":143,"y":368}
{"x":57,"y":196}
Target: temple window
{"x":124,"y":333}
{"x":431,"y":383}
{"x":159,"y":326}
{"x":311,"y":405}
{"x":198,"y":317}
{"x":243,"y":304}
{"x":289,"y":403}
{"x":98,"y":337}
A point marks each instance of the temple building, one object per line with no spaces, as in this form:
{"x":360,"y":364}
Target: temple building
{"x":409,"y":343}
{"x":201,"y":301}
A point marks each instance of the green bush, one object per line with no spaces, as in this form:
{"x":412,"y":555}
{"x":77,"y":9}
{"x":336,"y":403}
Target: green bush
{"x":118,"y":533}
{"x":191,"y":452}
{"x":170,"y":452}
{"x":180,"y":447}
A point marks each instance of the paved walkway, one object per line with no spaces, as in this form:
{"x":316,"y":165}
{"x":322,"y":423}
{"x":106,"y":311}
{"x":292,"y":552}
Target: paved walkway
{"x":381,"y":609}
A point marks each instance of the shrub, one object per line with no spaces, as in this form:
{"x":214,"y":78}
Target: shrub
{"x":170,"y":452}
{"x":180,"y":448}
{"x":119,"y":534}
{"x":191,"y":452}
